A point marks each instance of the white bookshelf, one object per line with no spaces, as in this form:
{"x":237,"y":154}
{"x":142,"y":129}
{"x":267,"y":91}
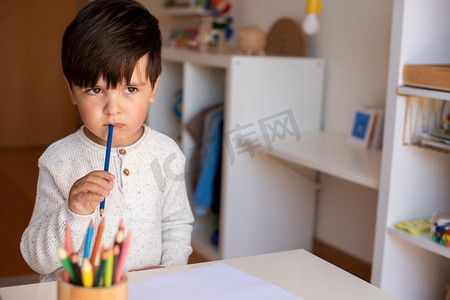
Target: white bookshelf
{"x":421,"y":240}
{"x":254,"y":219}
{"x":414,"y":181}
{"x":422,"y":92}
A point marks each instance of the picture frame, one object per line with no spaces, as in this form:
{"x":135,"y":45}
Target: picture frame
{"x":362,"y":125}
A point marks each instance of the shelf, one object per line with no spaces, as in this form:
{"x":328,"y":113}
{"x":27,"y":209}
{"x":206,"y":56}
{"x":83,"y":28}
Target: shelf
{"x":422,"y":92}
{"x":211,"y":59}
{"x":421,"y":240}
{"x":331,"y":154}
{"x":201,"y":238}
{"x":186,"y":11}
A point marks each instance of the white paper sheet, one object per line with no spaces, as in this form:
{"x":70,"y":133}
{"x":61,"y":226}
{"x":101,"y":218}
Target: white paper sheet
{"x":216,"y":281}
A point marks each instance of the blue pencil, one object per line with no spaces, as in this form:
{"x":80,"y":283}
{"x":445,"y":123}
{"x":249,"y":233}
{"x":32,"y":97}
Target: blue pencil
{"x":87,"y":243}
{"x":106,"y":168}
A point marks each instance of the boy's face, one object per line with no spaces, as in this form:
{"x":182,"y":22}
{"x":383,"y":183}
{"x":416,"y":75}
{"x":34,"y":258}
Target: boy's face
{"x":125,"y":107}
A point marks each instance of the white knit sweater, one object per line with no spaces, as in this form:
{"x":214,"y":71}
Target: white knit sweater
{"x":151,"y":200}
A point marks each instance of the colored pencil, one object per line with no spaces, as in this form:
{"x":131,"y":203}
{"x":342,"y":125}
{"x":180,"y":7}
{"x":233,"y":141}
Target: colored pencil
{"x":107,"y":156}
{"x":87,"y":242}
{"x":66,"y":276}
{"x":87,"y":273}
{"x":68,"y":247}
{"x":99,"y":261}
{"x":109,"y":269}
{"x":68,"y":239}
{"x":76,"y":268}
{"x":116,"y":252}
{"x":122,"y":259}
{"x":118,"y":240}
{"x":97,"y":241}
{"x":121,"y":225}
{"x":101,"y":270}
{"x":62,"y":254}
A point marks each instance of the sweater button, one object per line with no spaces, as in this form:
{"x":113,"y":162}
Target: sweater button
{"x":126,"y":172}
{"x":122,"y":151}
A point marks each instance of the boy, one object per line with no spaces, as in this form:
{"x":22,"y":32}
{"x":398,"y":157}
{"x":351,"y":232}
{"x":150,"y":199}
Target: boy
{"x":111,"y":57}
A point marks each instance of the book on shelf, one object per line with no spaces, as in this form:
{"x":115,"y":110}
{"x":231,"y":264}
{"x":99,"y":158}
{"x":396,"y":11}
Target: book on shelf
{"x":436,"y":139}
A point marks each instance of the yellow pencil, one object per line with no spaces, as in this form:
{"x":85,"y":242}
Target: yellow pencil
{"x":87,"y":273}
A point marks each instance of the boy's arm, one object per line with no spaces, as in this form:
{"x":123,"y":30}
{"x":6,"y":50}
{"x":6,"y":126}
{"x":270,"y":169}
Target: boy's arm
{"x":46,"y":229}
{"x":177,"y":220}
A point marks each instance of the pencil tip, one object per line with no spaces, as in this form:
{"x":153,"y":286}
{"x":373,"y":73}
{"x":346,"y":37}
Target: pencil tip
{"x":101,"y":212}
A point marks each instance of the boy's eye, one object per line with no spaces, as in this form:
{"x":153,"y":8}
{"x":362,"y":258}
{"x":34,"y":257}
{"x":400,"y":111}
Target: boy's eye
{"x":94,"y":91}
{"x":130,"y":90}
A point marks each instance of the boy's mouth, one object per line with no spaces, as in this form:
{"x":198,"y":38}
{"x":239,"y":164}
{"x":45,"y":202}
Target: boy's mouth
{"x":117,"y":125}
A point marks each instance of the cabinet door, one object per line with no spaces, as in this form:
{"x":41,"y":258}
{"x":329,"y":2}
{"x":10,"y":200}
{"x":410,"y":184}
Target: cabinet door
{"x":35,"y":105}
{"x":266,"y":208}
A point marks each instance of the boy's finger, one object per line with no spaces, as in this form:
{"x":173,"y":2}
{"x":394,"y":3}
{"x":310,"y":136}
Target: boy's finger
{"x":106,"y":184}
{"x":91,"y":187}
{"x":103,"y":174}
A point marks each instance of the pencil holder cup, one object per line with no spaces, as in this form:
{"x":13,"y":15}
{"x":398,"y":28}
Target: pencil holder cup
{"x":69,"y":291}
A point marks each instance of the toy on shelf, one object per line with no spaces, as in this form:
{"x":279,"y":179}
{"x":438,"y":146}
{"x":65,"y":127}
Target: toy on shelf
{"x":415,"y":226}
{"x":216,"y":30}
{"x":184,"y":38}
{"x":252,"y":41}
{"x":212,"y":24}
{"x":440,"y":228}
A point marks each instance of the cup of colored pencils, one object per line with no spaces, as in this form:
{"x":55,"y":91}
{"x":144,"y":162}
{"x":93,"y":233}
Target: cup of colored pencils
{"x":97,"y":274}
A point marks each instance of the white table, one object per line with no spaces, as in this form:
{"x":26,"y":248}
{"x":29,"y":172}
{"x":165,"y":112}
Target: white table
{"x":297,"y":271}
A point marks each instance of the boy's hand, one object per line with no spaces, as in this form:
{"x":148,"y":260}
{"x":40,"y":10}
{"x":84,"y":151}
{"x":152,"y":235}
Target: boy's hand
{"x":88,"y":191}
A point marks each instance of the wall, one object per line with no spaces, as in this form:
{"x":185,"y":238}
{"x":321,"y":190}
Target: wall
{"x":354,"y":41}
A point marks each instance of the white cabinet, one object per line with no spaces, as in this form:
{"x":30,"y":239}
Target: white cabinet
{"x":263,"y":208}
{"x":414,"y":181}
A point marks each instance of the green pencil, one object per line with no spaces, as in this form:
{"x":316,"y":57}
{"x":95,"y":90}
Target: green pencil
{"x":101,"y":270}
{"x":67,"y":264}
{"x":109,"y":269}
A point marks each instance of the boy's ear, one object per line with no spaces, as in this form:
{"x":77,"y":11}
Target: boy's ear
{"x":152,"y":96}
{"x":72,"y":98}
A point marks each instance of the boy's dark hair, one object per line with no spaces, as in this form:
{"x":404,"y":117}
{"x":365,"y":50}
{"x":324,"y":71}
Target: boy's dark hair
{"x":106,"y":39}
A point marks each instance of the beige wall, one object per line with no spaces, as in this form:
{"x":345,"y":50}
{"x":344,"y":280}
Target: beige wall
{"x":354,"y":41}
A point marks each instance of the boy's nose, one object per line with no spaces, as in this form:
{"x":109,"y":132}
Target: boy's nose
{"x":112,"y":105}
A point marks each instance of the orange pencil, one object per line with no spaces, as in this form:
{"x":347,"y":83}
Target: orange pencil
{"x":97,"y":241}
